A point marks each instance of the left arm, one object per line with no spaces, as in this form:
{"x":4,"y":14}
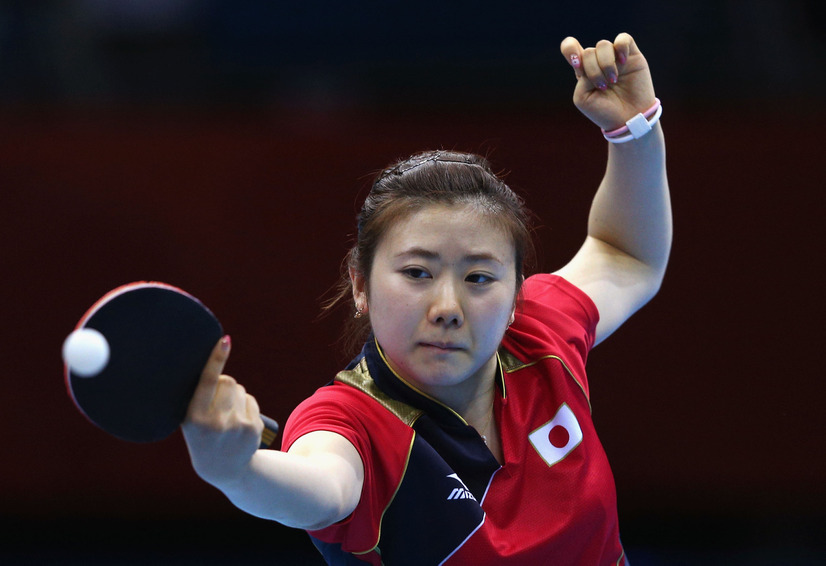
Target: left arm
{"x":622,"y":262}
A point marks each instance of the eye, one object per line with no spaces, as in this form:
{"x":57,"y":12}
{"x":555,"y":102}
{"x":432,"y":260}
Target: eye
{"x":416,"y":273}
{"x":479,"y":278}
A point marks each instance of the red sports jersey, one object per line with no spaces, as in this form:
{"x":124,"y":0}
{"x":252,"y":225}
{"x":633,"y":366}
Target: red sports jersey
{"x":434,"y":494}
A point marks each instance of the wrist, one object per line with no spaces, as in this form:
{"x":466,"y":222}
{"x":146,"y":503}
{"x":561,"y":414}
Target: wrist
{"x":637,"y":126}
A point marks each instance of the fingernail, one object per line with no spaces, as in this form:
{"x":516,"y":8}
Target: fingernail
{"x":226,"y":343}
{"x":575,"y":62}
{"x":601,"y":86}
{"x":612,"y":77}
{"x":622,"y":58}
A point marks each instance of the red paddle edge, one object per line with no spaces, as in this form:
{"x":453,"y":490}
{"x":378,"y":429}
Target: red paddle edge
{"x":117,"y":291}
{"x":272,"y":427}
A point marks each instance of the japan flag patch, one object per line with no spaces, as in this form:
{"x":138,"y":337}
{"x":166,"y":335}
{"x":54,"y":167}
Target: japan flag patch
{"x":556,"y":439}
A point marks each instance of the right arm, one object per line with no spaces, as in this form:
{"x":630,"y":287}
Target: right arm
{"x":315,"y":484}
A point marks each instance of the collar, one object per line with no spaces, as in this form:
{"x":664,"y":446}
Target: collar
{"x":402,"y":390}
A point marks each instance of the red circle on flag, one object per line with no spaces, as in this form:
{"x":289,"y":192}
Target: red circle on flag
{"x":559,"y":436}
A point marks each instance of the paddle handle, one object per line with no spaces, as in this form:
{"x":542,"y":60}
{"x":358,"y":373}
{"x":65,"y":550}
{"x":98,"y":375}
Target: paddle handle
{"x":271,"y":429}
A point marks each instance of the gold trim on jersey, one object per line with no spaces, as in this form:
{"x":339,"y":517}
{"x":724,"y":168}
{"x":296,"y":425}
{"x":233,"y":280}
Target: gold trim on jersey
{"x":511,"y":363}
{"x":359,"y":377}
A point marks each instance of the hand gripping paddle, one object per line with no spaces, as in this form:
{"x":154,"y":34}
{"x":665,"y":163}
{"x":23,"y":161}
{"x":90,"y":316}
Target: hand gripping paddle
{"x":136,"y":381}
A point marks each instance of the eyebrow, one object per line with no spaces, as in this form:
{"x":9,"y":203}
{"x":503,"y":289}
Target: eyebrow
{"x":429,"y":254}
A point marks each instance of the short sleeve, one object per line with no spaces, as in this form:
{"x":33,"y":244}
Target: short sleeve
{"x":553,"y":318}
{"x":382,"y":441}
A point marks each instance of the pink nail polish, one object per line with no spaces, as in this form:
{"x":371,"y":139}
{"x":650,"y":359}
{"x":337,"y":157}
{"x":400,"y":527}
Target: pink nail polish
{"x":226,"y":343}
{"x":575,"y":61}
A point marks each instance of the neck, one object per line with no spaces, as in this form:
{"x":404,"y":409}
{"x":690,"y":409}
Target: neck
{"x":477,"y":411}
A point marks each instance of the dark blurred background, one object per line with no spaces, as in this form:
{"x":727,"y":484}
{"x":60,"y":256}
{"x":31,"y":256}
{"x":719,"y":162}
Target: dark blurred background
{"x":224,"y":147}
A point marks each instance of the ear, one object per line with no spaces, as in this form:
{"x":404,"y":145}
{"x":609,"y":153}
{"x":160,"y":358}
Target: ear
{"x":516,"y":302}
{"x":359,"y":284}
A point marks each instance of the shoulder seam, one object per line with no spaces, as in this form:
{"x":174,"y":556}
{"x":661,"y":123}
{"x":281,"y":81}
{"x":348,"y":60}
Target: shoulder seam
{"x":359,"y":378}
{"x":511,"y":364}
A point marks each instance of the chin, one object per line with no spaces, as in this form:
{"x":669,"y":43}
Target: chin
{"x":441,"y":376}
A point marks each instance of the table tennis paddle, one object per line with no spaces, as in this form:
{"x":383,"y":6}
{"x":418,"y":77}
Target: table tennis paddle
{"x":157,"y":339}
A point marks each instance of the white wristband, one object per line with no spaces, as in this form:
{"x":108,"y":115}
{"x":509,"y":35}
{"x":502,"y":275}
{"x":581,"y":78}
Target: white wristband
{"x":636,"y":127}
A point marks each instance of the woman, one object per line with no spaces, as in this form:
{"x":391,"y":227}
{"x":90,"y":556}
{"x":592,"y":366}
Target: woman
{"x":462,"y":433}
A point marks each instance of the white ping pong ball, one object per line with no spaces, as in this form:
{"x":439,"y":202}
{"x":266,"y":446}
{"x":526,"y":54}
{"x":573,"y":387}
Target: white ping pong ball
{"x":86,"y":352}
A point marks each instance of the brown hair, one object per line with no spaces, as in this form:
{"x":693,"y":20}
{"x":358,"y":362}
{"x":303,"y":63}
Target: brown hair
{"x":429,"y":178}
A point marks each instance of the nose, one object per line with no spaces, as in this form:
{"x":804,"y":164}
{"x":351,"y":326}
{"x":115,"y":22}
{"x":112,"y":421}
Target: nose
{"x":446,"y":305}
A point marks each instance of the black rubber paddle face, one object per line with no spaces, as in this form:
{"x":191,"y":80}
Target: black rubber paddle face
{"x":160,"y":338}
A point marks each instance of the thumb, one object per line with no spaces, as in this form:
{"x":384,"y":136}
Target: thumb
{"x":208,"y":383}
{"x":625,"y":46}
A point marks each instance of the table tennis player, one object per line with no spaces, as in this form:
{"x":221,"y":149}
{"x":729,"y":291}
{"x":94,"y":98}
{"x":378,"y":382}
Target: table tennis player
{"x":461,"y":433}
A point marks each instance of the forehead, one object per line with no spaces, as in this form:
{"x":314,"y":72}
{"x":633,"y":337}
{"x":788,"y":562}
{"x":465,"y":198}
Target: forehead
{"x":449,"y":230}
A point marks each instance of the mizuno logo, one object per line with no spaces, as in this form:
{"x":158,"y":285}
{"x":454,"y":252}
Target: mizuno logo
{"x":460,"y":492}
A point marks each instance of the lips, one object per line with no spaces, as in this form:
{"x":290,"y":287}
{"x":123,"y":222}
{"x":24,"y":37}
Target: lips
{"x":446,"y":346}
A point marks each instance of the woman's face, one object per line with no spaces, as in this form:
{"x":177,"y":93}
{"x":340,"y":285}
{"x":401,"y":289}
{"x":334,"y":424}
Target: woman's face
{"x":441,"y":295}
